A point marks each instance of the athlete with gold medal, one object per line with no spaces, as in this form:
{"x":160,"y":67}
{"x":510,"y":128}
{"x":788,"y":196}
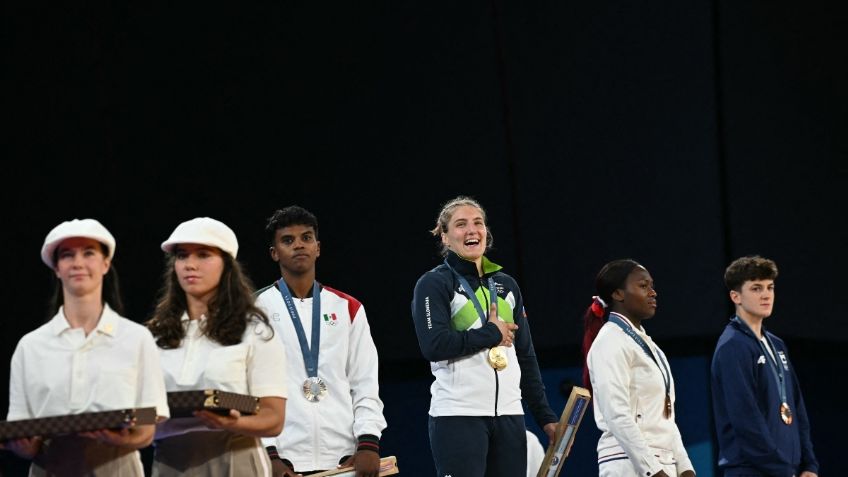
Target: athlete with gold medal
{"x":470,"y":322}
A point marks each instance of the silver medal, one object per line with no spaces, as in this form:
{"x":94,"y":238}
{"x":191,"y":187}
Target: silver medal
{"x":314,"y":389}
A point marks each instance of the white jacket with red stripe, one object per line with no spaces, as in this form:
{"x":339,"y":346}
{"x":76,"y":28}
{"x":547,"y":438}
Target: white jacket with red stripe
{"x":317,"y":434}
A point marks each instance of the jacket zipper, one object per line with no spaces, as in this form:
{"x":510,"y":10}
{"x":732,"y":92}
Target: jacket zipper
{"x":497,"y":381}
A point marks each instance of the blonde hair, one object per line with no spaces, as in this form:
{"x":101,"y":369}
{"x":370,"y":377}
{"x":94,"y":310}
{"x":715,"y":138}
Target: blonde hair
{"x":446,"y":213}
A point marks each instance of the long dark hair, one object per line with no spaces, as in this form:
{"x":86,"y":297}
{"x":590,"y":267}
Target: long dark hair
{"x":230,"y":310}
{"x":612,"y":277}
{"x":111,"y":292}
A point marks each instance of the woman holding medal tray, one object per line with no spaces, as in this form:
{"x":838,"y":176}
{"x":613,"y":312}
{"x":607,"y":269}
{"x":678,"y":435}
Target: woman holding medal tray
{"x":87,"y":358}
{"x":212,"y":336}
{"x":631,"y":379}
{"x":471,"y":326}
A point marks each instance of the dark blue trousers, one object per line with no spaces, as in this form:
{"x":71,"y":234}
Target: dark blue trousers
{"x":471,"y":446}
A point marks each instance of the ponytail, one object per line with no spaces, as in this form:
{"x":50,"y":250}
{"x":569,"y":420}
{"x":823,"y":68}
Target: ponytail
{"x":612,"y":277}
{"x":593,"y":320}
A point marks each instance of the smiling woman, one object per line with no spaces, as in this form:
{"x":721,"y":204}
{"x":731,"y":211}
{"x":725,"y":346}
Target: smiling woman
{"x":87,"y":358}
{"x":466,"y":233}
{"x":631,"y":378}
{"x":471,"y":326}
{"x":81,"y":266}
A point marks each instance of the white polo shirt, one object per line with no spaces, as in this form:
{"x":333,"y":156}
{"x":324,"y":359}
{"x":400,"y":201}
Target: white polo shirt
{"x":57,"y":370}
{"x":256,"y":366}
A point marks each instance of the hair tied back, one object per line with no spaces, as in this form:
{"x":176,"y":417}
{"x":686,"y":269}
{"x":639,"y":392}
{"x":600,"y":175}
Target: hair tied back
{"x":598,"y":306}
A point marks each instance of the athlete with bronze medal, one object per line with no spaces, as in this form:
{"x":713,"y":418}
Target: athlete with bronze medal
{"x":666,"y":374}
{"x":639,"y":435}
{"x":771,"y":358}
{"x":761,"y":428}
{"x":314,"y":388}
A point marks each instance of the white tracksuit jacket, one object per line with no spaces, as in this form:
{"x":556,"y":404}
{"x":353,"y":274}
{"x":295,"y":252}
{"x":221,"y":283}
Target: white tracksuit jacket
{"x":629,"y":398}
{"x":317,"y":434}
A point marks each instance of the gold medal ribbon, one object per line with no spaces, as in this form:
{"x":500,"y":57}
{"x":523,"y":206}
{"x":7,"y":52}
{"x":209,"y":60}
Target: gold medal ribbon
{"x":497,"y":355}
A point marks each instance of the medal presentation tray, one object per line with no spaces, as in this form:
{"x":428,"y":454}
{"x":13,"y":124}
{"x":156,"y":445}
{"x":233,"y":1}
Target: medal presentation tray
{"x":73,"y":423}
{"x":184,"y":403}
{"x":388,"y":466}
{"x":570,"y":420}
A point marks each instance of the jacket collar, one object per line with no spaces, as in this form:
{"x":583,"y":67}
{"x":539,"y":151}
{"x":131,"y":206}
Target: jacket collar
{"x":740,"y":325}
{"x":627,"y":322}
{"x":468,"y":268}
{"x":107,"y":324}
{"x":308,"y":293}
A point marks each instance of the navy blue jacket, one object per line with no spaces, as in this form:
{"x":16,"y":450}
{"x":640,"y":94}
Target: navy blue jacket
{"x":439,"y":338}
{"x":752,"y":437}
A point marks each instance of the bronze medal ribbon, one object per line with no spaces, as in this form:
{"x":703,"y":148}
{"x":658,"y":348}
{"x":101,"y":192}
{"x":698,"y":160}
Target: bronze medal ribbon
{"x":776,"y":369}
{"x":664,"y":370}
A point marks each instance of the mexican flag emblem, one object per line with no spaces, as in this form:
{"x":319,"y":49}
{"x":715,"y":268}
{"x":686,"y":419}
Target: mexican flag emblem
{"x":330,"y":319}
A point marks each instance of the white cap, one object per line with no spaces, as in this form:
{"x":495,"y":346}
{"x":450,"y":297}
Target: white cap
{"x":203,"y":231}
{"x":86,"y":228}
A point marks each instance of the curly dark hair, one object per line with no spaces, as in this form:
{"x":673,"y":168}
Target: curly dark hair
{"x":753,"y":267}
{"x":229,"y":313}
{"x":291,"y":215}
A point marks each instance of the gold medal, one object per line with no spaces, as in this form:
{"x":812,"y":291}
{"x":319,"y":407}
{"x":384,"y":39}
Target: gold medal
{"x":497,"y":358}
{"x":785,"y":413}
{"x":314,"y":389}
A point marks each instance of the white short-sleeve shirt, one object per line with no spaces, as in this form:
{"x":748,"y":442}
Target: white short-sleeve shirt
{"x":58,"y":370}
{"x":256,"y":366}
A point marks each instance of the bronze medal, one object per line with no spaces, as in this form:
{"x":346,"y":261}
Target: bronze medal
{"x":314,"y":389}
{"x":667,"y":411}
{"x":497,"y":358}
{"x":785,"y":413}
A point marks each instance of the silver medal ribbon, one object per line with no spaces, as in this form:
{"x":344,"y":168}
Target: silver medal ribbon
{"x":314,"y":388}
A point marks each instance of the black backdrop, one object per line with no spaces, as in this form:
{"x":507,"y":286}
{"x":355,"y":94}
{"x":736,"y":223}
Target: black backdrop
{"x":681,"y":134}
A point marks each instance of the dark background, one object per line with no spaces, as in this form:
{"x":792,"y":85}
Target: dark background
{"x":681,"y":134}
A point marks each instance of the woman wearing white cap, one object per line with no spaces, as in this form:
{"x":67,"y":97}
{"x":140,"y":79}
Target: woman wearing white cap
{"x":212,"y":336}
{"x":87,"y":358}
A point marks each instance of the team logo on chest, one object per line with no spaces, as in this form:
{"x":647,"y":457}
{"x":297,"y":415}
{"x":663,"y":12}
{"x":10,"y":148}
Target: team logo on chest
{"x":330,"y":319}
{"x":783,"y":360}
{"x":501,"y":289}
